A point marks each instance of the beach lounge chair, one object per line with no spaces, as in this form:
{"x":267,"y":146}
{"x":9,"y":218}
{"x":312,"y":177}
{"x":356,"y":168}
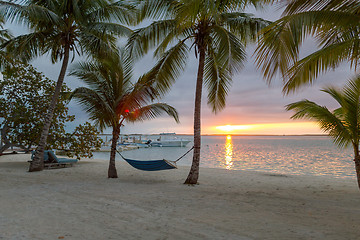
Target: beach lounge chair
{"x":52,"y":161}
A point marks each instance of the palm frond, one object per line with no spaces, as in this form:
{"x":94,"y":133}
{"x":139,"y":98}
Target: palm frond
{"x":152,"y":111}
{"x":92,"y":75}
{"x":244,"y":25}
{"x":98,"y":44}
{"x":155,"y":9}
{"x":296,"y":6}
{"x":230,"y":52}
{"x":124,"y":11}
{"x":351,"y":95}
{"x":309,"y":68}
{"x":334,"y":24}
{"x":336,"y":94}
{"x":27,"y":46}
{"x":95,"y":106}
{"x":279,"y":44}
{"x":143,"y":39}
{"x":218,"y":81}
{"x":110,"y":28}
{"x":169,"y":66}
{"x":327,"y":121}
{"x":4,"y":35}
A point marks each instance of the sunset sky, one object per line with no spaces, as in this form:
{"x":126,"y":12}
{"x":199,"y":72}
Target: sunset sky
{"x":253,"y":106}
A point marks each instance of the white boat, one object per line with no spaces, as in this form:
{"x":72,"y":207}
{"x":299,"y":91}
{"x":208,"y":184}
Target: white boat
{"x":134,"y":140}
{"x":169,"y":140}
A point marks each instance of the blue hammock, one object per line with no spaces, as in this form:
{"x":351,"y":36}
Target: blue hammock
{"x":153,"y":165}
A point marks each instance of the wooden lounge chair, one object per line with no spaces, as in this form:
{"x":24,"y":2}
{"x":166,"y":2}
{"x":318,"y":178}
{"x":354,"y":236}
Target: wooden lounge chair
{"x":52,"y":161}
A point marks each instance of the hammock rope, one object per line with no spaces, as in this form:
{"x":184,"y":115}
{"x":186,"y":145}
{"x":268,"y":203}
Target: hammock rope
{"x":153,"y":165}
{"x":184,"y":154}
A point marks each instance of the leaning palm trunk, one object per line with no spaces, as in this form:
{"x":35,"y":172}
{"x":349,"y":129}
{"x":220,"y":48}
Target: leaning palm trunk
{"x":112,"y":173}
{"x":37,"y":163}
{"x":194,"y":171}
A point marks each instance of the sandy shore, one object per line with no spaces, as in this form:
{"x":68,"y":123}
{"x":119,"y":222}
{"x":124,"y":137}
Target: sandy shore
{"x":81,"y":203}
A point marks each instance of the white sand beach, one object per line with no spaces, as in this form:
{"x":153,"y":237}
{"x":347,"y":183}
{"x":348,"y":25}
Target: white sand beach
{"x":82,"y":203}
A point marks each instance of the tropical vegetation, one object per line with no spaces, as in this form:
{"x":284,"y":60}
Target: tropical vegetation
{"x":24,"y":96}
{"x":79,"y":143}
{"x":112,"y":98}
{"x":333,"y":24}
{"x":217,"y":31}
{"x":61,"y":28}
{"x":343,"y":123}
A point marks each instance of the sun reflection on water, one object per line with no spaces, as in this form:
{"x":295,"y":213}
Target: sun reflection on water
{"x":228,"y":152}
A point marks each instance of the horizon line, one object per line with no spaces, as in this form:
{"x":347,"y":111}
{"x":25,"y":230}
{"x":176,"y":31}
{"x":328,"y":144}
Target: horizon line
{"x":222,"y":134}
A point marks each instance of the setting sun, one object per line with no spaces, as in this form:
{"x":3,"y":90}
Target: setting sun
{"x":268,"y":128}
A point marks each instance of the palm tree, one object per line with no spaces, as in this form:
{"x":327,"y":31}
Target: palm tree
{"x":333,"y":24}
{"x":216,"y":30}
{"x":342,"y":124}
{"x":62,"y":27}
{"x":112,"y":98}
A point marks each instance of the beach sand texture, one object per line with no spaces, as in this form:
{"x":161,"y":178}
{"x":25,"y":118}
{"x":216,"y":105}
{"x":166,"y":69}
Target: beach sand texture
{"x":82,"y":203}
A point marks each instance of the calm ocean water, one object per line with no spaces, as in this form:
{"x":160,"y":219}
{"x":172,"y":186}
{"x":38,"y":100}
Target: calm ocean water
{"x":303,"y":155}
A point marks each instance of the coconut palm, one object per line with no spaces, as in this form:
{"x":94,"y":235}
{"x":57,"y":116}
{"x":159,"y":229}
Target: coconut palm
{"x":111,"y":98}
{"x":62,"y":27}
{"x":217,"y":32}
{"x":342,"y":124}
{"x":333,"y":24}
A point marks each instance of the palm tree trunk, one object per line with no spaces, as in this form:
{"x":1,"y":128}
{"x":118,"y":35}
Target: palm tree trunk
{"x":5,"y":142}
{"x":38,"y":162}
{"x":194,"y":171}
{"x":357,"y":161}
{"x":112,"y":173}
{"x":357,"y":168}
